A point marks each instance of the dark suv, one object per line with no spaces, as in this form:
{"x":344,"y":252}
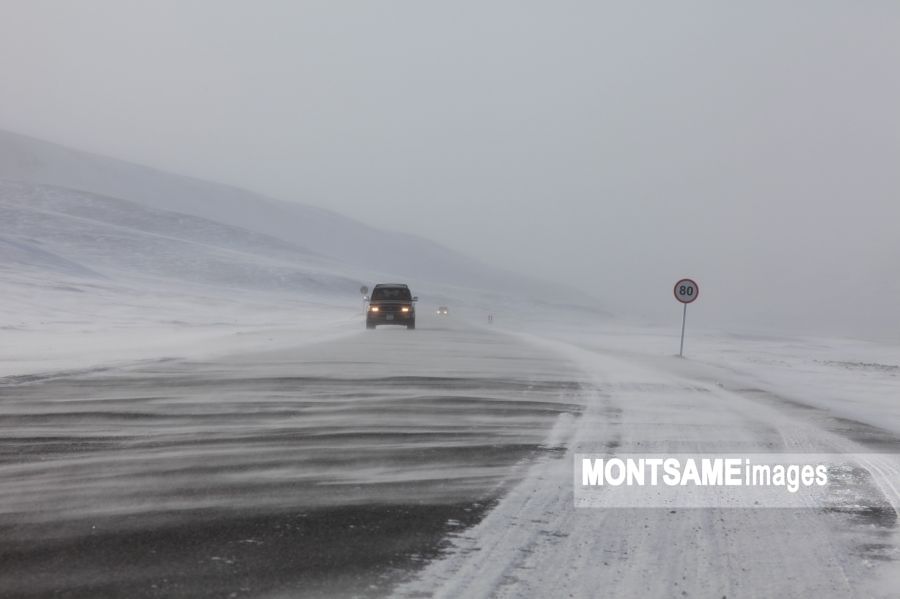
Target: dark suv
{"x":391,"y":303}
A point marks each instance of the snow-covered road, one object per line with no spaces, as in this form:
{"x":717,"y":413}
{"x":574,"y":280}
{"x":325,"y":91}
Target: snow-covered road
{"x":435,"y":462}
{"x":535,"y":543}
{"x":332,"y":468}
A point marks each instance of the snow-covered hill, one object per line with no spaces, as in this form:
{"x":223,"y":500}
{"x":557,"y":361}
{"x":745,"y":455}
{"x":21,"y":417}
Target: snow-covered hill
{"x":350,"y":242}
{"x":80,"y":233}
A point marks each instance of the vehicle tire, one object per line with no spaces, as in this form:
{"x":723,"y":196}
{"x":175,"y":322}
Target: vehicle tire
{"x":411,"y":325}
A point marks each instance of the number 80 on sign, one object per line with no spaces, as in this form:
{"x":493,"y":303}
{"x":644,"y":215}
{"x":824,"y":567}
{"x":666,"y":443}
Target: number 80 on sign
{"x":686,"y":291}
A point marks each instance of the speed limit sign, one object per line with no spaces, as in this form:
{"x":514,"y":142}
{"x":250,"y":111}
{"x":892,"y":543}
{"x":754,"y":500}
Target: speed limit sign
{"x":686,"y":291}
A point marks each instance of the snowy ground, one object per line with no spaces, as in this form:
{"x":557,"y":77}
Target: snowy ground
{"x":52,"y":327}
{"x":854,"y":378}
{"x":536,"y":544}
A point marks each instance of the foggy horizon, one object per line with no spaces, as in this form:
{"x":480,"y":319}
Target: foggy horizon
{"x":611,"y":149}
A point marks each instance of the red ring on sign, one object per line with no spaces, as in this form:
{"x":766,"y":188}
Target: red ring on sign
{"x":696,"y":290}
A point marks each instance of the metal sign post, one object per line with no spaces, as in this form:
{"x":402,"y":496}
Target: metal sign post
{"x":686,"y":291}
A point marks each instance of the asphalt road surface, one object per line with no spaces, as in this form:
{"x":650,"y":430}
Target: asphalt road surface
{"x":334,"y":469}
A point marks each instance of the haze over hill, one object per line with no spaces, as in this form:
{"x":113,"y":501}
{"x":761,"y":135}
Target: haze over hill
{"x":359,"y":249}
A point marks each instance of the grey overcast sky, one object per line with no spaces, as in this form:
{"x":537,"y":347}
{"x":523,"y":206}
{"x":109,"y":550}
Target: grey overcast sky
{"x":613,"y":146}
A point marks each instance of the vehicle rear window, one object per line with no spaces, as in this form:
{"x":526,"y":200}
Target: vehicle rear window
{"x":391,"y":293}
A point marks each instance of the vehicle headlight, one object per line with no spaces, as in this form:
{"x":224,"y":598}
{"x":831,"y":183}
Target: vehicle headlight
{"x":404,"y":309}
{"x":373,"y":308}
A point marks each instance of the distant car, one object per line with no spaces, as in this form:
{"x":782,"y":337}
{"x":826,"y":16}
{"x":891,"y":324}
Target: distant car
{"x":391,"y":303}
{"x":442,"y":311}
